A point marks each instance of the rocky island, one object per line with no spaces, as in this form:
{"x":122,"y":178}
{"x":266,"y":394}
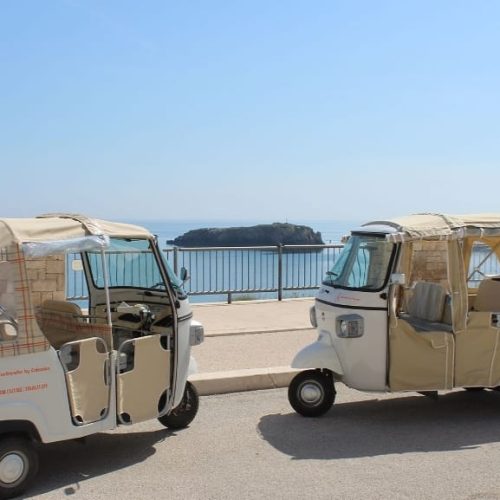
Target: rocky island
{"x":260,"y":235}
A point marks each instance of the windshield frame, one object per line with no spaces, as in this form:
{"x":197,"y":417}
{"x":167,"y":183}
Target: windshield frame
{"x":95,"y":270}
{"x":176,"y":283}
{"x":330,"y":280}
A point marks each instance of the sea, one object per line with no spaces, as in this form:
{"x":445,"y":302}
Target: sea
{"x":331,"y":230}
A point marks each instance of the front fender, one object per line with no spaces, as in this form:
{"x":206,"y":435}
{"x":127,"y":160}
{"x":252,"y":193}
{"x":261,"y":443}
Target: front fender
{"x":193,"y":366}
{"x":319,"y":354}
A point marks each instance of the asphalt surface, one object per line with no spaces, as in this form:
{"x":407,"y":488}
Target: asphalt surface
{"x":253,"y":446}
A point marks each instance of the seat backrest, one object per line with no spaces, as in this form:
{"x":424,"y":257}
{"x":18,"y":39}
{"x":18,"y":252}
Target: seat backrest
{"x":60,"y":321}
{"x":488,"y":295}
{"x":62,"y":306}
{"x":427,"y":301}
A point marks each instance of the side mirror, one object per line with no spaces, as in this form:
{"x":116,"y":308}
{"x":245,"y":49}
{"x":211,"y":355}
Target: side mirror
{"x":8,"y":330}
{"x":8,"y":325}
{"x":184,"y":275}
{"x":398,"y":279}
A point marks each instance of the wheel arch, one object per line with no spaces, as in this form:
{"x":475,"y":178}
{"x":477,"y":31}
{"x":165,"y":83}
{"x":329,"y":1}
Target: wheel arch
{"x":319,"y":355}
{"x":20,"y":427}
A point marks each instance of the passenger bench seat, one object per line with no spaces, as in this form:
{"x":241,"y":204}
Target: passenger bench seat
{"x":426,"y":307}
{"x":63,"y":321}
{"x":488,"y":295}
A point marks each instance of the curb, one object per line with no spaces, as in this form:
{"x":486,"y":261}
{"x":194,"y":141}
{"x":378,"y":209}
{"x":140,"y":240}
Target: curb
{"x":253,"y":379}
{"x":250,"y":302}
{"x":221,"y":333}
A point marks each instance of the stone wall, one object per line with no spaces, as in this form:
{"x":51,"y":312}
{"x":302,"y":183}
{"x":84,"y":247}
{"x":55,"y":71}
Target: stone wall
{"x":430,"y":260}
{"x":46,"y":276}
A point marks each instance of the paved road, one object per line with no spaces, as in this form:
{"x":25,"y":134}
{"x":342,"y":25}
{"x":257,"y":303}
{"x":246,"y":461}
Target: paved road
{"x":252,"y":446}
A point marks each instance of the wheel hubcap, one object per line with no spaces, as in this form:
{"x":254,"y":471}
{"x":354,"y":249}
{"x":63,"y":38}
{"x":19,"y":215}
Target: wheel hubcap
{"x":311,"y":393}
{"x":11,"y":468}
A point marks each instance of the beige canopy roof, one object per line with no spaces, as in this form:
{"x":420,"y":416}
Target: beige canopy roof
{"x":62,"y":227}
{"x":440,"y":226}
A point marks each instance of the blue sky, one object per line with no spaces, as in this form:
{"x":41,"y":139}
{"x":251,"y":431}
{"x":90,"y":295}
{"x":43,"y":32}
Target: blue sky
{"x":266,"y":110}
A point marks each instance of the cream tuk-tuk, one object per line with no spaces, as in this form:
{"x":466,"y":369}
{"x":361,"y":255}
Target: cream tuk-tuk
{"x":66,"y":373}
{"x":411,"y":304}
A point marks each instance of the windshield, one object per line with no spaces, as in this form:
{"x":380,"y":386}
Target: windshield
{"x":130,"y":263}
{"x":363,"y":264}
{"x":174,"y":279}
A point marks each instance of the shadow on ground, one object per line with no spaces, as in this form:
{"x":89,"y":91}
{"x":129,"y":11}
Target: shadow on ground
{"x":65,"y":465}
{"x":456,"y":421}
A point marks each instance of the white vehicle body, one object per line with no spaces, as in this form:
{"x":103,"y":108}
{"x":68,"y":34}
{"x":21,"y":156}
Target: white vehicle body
{"x":65,"y":374}
{"x":405,"y":309}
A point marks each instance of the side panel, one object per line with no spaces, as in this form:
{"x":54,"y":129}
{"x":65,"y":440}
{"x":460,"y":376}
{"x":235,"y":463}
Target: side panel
{"x":363,"y":359}
{"x":143,"y":382}
{"x":420,"y":361}
{"x":33,"y":388}
{"x":478,"y":352}
{"x":183,"y":351}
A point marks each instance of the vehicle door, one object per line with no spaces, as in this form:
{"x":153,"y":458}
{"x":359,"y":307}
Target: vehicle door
{"x":478,"y":344}
{"x":143,"y":324}
{"x":352,"y":306}
{"x":421,"y":340}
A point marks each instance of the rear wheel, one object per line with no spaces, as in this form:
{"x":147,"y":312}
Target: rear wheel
{"x":18,"y":465}
{"x":312,"y":393}
{"x":181,"y":416}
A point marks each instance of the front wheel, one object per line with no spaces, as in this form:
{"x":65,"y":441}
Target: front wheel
{"x":312,"y":393}
{"x":18,"y":465}
{"x":181,"y":416}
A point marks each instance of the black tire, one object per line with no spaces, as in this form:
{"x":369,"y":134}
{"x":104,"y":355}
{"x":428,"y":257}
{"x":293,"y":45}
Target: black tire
{"x":18,"y":465}
{"x":181,"y":416}
{"x":474,"y":389}
{"x":312,"y":393}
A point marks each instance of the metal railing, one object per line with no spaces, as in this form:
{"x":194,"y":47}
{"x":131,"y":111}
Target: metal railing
{"x":243,"y":271}
{"x":253,"y":270}
{"x":248,"y":272}
{"x":483,"y":263}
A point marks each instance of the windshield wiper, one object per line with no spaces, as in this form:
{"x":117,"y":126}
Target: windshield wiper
{"x":160,"y":284}
{"x":331,"y":273}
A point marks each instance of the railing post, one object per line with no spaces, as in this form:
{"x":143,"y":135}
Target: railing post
{"x":176,"y":261}
{"x":229,"y":295}
{"x":280,"y":272}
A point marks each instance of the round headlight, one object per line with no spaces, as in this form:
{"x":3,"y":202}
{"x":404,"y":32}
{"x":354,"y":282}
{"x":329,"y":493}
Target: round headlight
{"x":344,"y":328}
{"x":312,"y":317}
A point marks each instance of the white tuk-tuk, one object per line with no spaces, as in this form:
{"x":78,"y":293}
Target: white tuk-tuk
{"x":411,"y":304}
{"x":65,"y":372}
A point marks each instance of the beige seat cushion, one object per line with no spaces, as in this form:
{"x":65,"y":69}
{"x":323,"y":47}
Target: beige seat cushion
{"x":62,"y":306}
{"x":488,"y":296}
{"x":427,"y":301}
{"x":63,"y":322}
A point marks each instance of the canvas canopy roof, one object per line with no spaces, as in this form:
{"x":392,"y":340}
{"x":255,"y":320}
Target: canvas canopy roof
{"x":54,"y":233}
{"x":440,"y":226}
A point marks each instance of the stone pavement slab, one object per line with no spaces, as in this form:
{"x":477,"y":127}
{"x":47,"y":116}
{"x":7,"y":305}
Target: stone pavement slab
{"x":250,"y":345}
{"x":254,"y":316}
{"x":252,"y":350}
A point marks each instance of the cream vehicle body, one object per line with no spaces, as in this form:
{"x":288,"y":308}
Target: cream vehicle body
{"x":406,"y":308}
{"x":67,"y":373}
